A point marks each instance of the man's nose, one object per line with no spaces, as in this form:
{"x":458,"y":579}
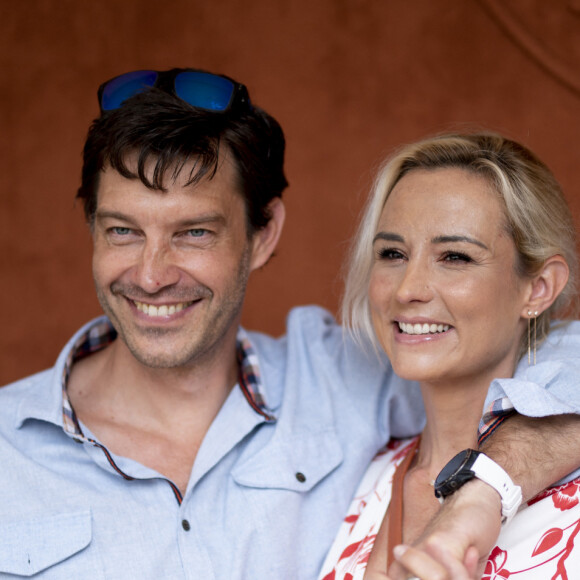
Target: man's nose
{"x":156,"y":268}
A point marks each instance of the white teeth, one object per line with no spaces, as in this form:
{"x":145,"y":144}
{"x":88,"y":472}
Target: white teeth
{"x":160,"y":311}
{"x":407,"y":328}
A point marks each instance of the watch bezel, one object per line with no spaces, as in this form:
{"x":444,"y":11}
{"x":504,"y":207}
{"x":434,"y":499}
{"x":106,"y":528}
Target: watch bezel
{"x":456,"y":473}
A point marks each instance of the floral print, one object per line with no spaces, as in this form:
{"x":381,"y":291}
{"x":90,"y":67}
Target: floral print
{"x":540,"y":543}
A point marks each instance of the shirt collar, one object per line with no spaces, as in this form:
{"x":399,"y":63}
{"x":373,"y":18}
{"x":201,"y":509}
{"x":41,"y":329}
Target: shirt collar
{"x":250,"y":379}
{"x":100,"y":333}
{"x":96,"y":337}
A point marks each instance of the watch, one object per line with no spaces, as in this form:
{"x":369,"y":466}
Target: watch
{"x":470,"y":463}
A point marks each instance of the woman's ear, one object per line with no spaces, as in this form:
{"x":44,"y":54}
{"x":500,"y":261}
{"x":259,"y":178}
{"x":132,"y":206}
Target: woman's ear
{"x":546,"y":286}
{"x":265,"y":240}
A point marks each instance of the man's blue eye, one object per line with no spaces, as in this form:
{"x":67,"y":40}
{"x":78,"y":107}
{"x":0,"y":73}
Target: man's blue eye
{"x":121,"y":231}
{"x":196,"y":233}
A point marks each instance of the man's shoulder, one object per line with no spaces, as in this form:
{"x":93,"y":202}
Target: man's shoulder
{"x":302,"y":322}
{"x":16,"y":397}
{"x":316,"y":346}
{"x":562,"y":342}
{"x":312,"y":333}
{"x":25,"y":385}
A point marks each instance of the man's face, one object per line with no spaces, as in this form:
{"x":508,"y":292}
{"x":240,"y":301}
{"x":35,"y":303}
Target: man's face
{"x":171,"y":268}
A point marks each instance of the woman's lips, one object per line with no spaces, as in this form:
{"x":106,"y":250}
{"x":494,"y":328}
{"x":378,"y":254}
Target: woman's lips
{"x":422,"y":328}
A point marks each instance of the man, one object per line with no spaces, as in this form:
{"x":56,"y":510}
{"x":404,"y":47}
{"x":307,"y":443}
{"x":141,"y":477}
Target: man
{"x":167,"y":442}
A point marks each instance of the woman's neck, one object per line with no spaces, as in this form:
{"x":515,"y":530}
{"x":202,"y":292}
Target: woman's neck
{"x":453,"y":415}
{"x":453,"y":410}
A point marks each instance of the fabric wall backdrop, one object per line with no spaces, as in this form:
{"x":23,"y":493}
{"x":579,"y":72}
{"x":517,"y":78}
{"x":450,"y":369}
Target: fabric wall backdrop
{"x":348,"y":79}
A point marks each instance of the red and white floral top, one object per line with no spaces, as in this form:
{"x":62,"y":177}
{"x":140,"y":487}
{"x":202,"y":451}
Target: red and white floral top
{"x":540,"y":543}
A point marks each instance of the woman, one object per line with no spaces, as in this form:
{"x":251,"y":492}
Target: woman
{"x":464,"y":255}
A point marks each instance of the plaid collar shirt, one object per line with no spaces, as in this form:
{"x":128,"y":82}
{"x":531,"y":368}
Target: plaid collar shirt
{"x":102,"y":334}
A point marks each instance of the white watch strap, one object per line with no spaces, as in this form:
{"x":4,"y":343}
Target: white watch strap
{"x":491,"y":473}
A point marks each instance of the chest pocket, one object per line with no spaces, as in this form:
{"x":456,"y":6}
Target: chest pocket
{"x":298,"y":464}
{"x":32,"y":545}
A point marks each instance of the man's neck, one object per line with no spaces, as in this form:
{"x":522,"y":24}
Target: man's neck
{"x":158,"y":417}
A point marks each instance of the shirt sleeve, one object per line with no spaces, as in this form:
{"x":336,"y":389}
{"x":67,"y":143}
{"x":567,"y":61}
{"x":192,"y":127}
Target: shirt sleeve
{"x":550,"y":387}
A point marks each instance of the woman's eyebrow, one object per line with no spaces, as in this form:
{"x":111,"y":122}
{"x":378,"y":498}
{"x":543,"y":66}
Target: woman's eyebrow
{"x":451,"y":239}
{"x":389,"y":237}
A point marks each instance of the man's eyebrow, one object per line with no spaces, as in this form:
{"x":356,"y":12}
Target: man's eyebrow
{"x":101,"y":214}
{"x":452,"y":239}
{"x":203,"y":219}
{"x":388,"y":237}
{"x":188,"y":222}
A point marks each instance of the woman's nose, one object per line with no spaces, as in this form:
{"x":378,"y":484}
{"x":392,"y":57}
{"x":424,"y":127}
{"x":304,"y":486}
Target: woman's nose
{"x":415,"y":285}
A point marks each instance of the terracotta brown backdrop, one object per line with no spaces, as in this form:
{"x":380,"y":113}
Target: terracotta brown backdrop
{"x":348,"y":80}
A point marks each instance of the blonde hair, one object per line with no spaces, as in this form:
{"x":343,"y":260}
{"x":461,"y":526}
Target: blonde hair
{"x":537,"y":215}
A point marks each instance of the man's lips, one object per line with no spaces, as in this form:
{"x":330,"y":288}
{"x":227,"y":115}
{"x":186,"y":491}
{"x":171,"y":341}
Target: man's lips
{"x":161,"y":310}
{"x":163,"y":304}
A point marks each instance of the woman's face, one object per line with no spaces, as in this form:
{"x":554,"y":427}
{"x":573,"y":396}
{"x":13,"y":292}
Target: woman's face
{"x":445,"y":299}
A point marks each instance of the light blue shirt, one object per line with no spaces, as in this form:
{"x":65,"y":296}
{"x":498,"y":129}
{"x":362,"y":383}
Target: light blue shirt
{"x":264,"y":500}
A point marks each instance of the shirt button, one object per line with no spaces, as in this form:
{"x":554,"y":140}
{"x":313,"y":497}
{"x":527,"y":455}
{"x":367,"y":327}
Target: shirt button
{"x":185,"y":525}
{"x":300,"y":477}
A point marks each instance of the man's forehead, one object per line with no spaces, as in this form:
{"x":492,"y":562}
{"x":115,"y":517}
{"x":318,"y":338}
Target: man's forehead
{"x":213,"y":193}
{"x":128,"y":197}
{"x":157,"y":172}
{"x":159,"y":167}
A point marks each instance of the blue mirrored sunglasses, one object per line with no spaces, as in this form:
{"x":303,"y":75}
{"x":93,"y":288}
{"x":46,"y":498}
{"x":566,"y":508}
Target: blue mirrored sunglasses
{"x":198,"y":88}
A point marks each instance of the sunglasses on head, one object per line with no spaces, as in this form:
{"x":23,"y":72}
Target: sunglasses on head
{"x":200,"y":89}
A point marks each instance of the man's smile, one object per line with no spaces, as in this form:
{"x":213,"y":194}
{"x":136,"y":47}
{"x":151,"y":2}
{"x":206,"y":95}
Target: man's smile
{"x":161,"y":310}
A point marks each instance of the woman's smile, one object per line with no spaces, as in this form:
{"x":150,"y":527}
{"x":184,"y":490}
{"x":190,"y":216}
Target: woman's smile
{"x":446,"y":301}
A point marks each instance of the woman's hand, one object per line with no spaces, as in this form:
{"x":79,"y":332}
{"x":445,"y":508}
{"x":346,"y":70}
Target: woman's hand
{"x":431,"y":563}
{"x":466,"y":526}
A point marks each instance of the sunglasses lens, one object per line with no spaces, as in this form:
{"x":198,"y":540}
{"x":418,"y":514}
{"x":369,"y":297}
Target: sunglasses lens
{"x":204,"y":90}
{"x":121,"y":88}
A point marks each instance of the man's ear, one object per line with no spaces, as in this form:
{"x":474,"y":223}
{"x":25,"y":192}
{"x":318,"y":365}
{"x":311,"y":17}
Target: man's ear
{"x":546,"y":286}
{"x":265,"y":240}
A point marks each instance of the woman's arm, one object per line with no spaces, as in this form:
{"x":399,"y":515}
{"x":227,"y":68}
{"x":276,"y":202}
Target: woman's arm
{"x":536,"y":452}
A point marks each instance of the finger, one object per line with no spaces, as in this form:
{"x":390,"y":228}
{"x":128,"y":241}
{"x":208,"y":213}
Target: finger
{"x":427,"y":567}
{"x":454,"y":565}
{"x":397,"y":572}
{"x":418,"y":563}
{"x":471,"y":561}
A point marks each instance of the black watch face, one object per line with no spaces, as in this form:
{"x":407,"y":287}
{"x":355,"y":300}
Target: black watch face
{"x":456,"y":473}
